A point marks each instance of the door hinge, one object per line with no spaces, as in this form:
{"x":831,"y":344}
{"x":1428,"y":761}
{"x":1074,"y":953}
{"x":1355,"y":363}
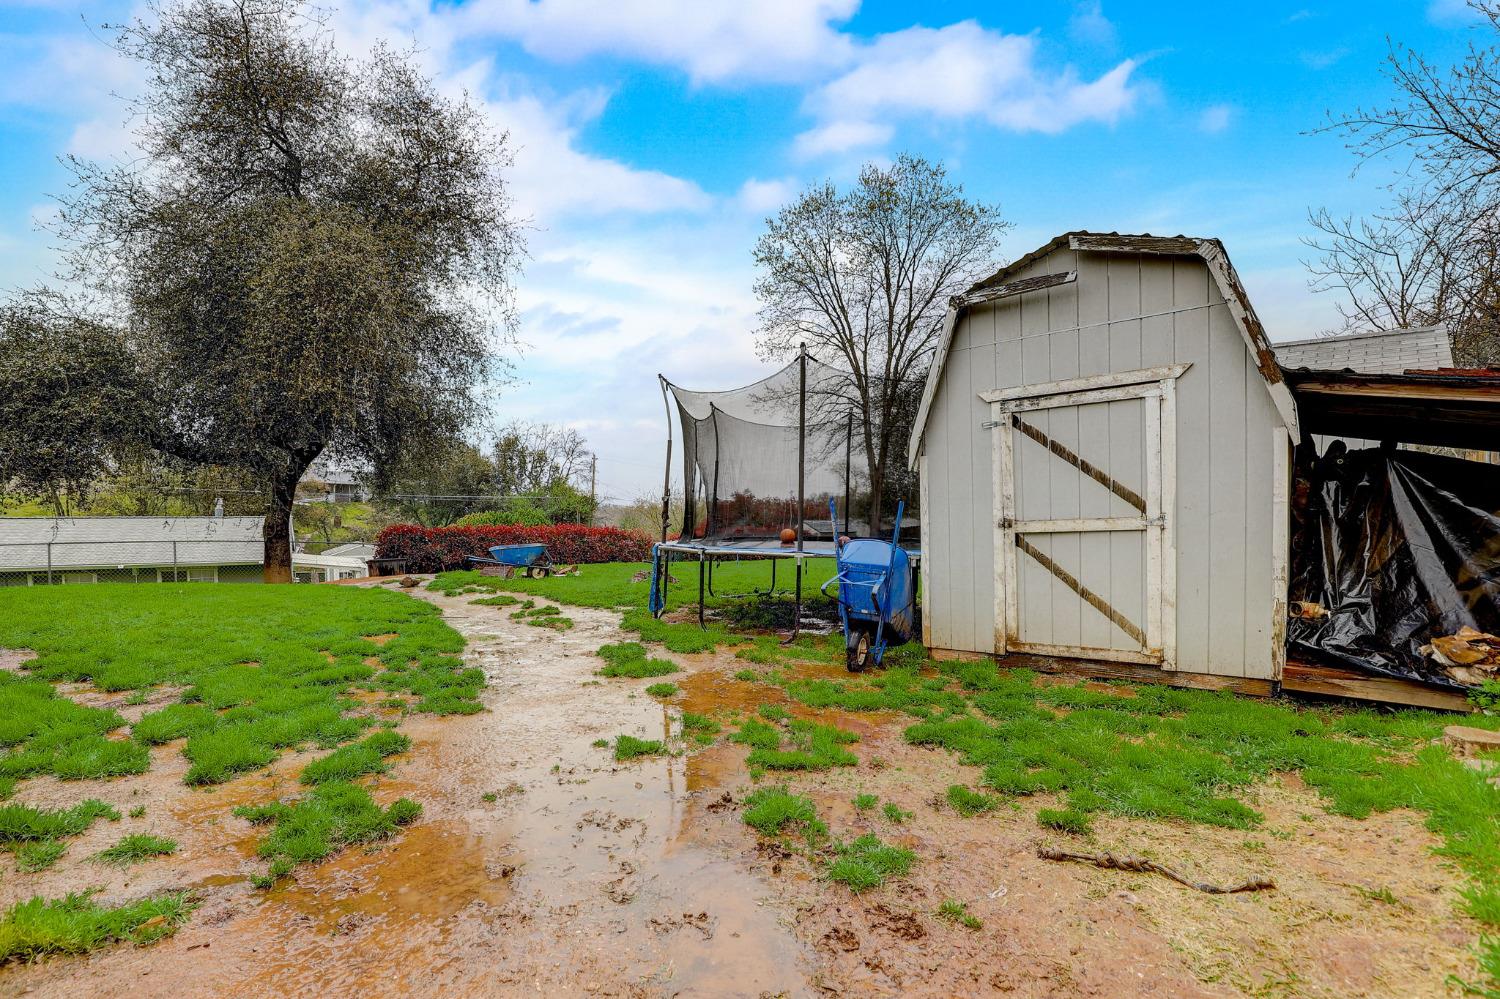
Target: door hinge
{"x":1006,"y":523}
{"x":991,"y":424}
{"x":1160,"y":520}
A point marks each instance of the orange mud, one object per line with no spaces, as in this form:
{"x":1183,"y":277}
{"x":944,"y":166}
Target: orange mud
{"x":585,"y":877}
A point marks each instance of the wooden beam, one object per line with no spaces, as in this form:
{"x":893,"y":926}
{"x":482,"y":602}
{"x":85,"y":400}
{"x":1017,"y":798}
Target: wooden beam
{"x":1085,"y":466}
{"x":1109,"y":379}
{"x":1096,"y":670}
{"x":1304,"y":678}
{"x":1041,"y":282}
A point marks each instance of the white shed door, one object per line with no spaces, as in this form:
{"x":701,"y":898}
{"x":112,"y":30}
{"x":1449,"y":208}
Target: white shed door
{"x":1083,"y":479}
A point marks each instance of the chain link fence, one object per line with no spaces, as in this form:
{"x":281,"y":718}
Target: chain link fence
{"x":140,"y":559}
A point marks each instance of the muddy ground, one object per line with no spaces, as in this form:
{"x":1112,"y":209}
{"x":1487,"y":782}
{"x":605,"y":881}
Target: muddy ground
{"x":588,"y":877}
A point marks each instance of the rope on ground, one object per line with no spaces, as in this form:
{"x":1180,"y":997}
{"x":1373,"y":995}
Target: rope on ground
{"x":1128,"y":862}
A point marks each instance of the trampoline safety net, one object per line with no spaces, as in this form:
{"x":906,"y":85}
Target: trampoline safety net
{"x":739,"y":457}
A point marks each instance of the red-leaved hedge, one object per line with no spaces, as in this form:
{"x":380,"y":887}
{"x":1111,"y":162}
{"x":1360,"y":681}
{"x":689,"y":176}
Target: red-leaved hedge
{"x":433,"y":549}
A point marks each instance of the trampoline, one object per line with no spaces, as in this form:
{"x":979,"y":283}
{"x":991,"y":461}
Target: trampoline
{"x":766,"y":475}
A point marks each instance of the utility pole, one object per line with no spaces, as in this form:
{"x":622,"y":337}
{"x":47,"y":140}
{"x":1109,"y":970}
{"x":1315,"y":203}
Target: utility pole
{"x":593,"y":485}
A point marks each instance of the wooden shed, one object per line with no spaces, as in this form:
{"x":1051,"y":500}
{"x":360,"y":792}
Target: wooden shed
{"x":1104,"y":447}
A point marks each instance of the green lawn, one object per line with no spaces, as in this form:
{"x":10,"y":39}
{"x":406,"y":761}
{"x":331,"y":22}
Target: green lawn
{"x":264,"y":670}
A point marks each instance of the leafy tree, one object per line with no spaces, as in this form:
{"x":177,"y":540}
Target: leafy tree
{"x":1434,"y":254}
{"x":310,"y":254}
{"x":438,"y":488}
{"x":863,"y":277}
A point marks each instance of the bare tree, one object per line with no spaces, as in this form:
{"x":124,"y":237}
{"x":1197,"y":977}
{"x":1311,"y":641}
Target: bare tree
{"x":1432,"y":257}
{"x":863,"y":277}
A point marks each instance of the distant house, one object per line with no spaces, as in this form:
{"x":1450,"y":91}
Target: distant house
{"x":38,"y":550}
{"x":344,"y":482}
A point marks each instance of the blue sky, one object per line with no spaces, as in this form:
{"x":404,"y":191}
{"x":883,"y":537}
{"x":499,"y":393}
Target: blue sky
{"x":651,"y":137}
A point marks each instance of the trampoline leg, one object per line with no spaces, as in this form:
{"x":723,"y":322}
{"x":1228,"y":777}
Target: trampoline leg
{"x":701,"y":574}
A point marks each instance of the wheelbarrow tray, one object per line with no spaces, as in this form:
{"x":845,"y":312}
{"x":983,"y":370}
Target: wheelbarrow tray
{"x":532,"y":559}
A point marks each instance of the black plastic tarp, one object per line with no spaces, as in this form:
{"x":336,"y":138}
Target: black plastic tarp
{"x":1390,"y":549}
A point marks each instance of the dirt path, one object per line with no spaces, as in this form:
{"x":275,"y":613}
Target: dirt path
{"x":584,"y":877}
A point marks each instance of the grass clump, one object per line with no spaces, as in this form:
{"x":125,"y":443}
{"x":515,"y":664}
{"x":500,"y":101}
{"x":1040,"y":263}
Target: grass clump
{"x":970,"y":803}
{"x":334,"y":815}
{"x":895,"y":813}
{"x":865,"y":802}
{"x":498,"y":600}
{"x":1068,"y":820}
{"x":867,"y":862}
{"x":628,"y":747}
{"x":955,"y":911}
{"x":773,"y":811}
{"x":136,"y":848}
{"x":356,"y":759}
{"x":662,"y":689}
{"x":76,"y":924}
{"x":22,"y":823}
{"x":38,"y":855}
{"x":629,"y":659}
{"x":798,"y":745}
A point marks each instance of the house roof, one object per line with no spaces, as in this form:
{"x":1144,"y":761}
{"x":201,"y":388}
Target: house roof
{"x":89,"y":542}
{"x":1210,"y":251}
{"x":1379,"y":352}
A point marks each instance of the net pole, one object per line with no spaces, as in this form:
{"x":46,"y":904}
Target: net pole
{"x":848,"y":446}
{"x":666,"y":477}
{"x":801,"y":478}
{"x":712,"y":520}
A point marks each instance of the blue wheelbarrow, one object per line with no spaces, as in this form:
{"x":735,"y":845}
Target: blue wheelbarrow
{"x":876,"y":599}
{"x":530,"y":560}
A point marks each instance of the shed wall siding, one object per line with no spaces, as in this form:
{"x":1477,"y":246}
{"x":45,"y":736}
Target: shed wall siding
{"x":1124,"y":312}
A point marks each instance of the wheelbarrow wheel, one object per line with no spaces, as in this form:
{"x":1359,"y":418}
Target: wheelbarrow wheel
{"x":857,"y":655}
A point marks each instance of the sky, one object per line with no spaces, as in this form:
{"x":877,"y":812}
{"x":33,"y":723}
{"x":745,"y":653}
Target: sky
{"x":651,"y":138}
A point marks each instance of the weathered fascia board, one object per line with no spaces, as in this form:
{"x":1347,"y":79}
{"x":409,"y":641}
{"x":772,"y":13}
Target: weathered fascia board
{"x":1175,"y":246}
{"x":1088,"y":383}
{"x":1012,"y":288}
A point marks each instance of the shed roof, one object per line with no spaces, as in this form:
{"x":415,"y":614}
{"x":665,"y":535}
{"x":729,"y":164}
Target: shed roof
{"x":1210,"y":251}
{"x":1379,"y":352}
{"x":79,"y":542}
{"x":1454,"y":408}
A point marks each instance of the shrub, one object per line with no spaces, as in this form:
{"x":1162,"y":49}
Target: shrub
{"x":432,"y":549}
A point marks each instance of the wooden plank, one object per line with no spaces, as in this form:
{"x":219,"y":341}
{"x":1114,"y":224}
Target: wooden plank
{"x":1190,"y":331}
{"x":1225,"y":457}
{"x":981,"y":624}
{"x":1168,"y":437}
{"x":1106,"y":670}
{"x":1154,"y":595}
{"x":1035,"y":391}
{"x":1305,"y":679}
{"x":924,"y":570}
{"x":955,"y":405}
{"x":1010,"y":289}
{"x":1076,"y":525}
{"x":1281,"y":512}
{"x":1008,"y":585}
{"x":1134,"y":656}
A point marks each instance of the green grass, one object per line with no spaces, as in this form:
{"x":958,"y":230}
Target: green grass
{"x":266,"y":669}
{"x":867,"y":863}
{"x":797,"y":745}
{"x":629,"y":659}
{"x":498,"y":600}
{"x":701,"y":727}
{"x":895,"y":813}
{"x":955,"y":911}
{"x":356,"y":759}
{"x":865,"y":802}
{"x":773,"y":811}
{"x":38,"y":855}
{"x":662,"y":689}
{"x":76,"y":924}
{"x":1068,"y":820}
{"x":136,"y":848}
{"x":23,"y":823}
{"x":970,"y":803}
{"x":334,"y":815}
{"x":628,"y":747}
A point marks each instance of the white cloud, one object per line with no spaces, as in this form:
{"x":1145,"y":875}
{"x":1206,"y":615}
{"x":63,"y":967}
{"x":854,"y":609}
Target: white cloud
{"x":759,"y":197}
{"x":1450,"y":11}
{"x":1215,"y":119}
{"x":711,"y":40}
{"x":1089,"y":25}
{"x":962,"y":71}
{"x":841,"y":137}
{"x":1323,"y":59}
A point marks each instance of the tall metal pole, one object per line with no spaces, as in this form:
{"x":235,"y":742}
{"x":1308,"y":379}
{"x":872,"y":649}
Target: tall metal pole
{"x":666,"y":478}
{"x":801,"y":478}
{"x":848,"y":446}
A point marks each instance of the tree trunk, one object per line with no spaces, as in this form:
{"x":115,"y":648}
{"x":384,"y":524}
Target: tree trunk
{"x":877,"y":497}
{"x":278,"y":529}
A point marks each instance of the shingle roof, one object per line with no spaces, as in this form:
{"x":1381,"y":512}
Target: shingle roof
{"x":89,"y":542}
{"x":1383,"y":352}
